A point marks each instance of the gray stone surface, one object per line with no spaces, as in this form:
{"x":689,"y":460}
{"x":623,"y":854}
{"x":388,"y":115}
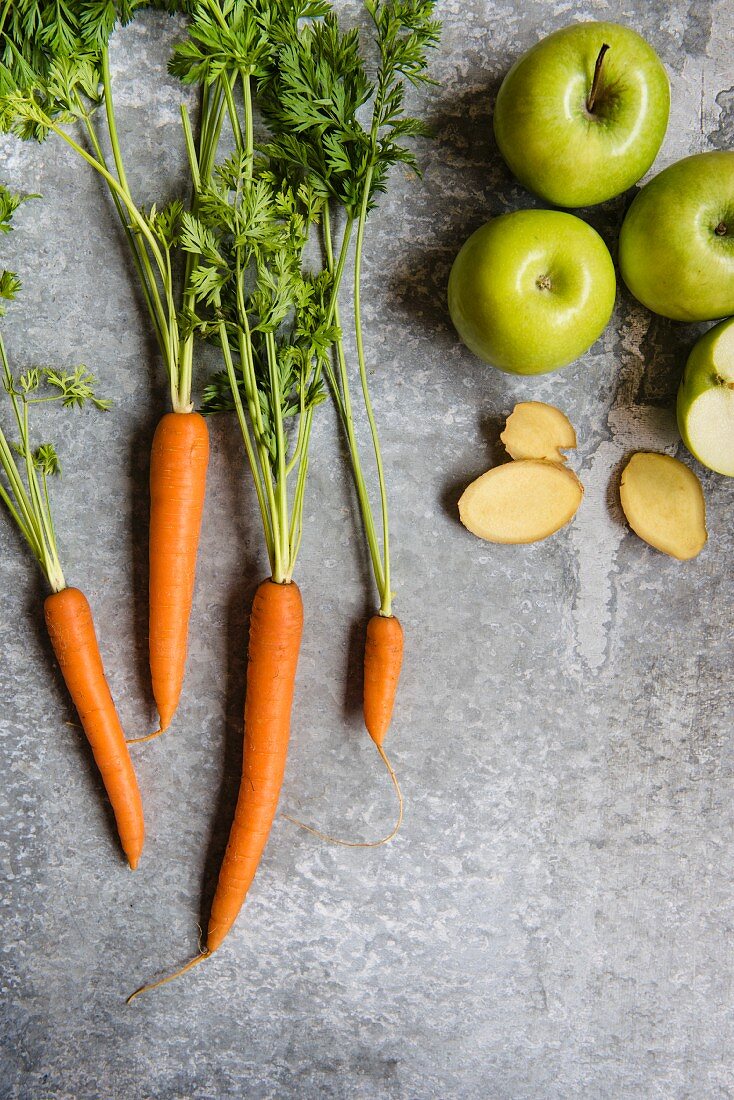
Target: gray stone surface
{"x":555,"y":919}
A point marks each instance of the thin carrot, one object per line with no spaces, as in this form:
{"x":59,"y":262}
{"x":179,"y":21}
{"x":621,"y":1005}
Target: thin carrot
{"x":370,"y":104}
{"x":71,"y":630}
{"x":383,"y":659}
{"x":276,"y":624}
{"x":179,"y":459}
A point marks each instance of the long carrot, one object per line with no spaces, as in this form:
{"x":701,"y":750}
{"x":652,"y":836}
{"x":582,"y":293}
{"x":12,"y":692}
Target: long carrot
{"x":71,"y":630}
{"x":178,"y":466}
{"x":273,"y":319}
{"x":276,"y":624}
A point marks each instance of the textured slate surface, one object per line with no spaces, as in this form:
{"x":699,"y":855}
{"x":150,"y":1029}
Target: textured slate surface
{"x":555,"y":920}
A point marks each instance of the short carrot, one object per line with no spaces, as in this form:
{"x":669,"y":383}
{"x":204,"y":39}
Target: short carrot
{"x":71,"y":630}
{"x":178,"y":466}
{"x":276,"y":624}
{"x":383,"y":658}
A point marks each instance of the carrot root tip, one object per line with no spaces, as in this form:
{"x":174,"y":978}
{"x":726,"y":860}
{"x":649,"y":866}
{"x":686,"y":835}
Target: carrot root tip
{"x":361,"y":843}
{"x":170,"y":977}
{"x":148,"y":736}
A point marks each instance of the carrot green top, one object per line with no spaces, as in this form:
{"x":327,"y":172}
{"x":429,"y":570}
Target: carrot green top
{"x":276,"y":325}
{"x":55,"y":78}
{"x":342,"y":128}
{"x":24,"y":488}
{"x":272,"y":319}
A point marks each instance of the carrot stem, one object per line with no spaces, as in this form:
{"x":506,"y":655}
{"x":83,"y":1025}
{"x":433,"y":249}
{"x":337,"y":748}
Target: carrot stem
{"x":342,"y":395}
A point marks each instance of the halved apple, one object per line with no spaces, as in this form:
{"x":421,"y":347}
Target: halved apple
{"x":521,"y":502}
{"x":706,"y":400}
{"x":663,"y":502}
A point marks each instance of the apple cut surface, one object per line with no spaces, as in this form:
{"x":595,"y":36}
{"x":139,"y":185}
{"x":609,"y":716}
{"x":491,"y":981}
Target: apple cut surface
{"x":521,"y":502}
{"x":706,"y":400}
{"x":663,"y":502}
{"x":710,"y":430}
{"x":537,"y":430}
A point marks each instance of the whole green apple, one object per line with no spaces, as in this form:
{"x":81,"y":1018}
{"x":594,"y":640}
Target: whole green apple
{"x":580,"y":117}
{"x":676,"y":246}
{"x":531,"y":291}
{"x":706,"y":400}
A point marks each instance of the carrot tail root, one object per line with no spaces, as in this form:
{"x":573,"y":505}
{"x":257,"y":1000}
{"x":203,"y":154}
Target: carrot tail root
{"x":205,"y":954}
{"x":147,"y":737}
{"x":360,"y":843}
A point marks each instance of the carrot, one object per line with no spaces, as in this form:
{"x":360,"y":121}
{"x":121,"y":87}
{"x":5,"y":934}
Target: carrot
{"x":71,"y":630}
{"x":179,"y":459}
{"x":276,"y":624}
{"x":383,"y":658}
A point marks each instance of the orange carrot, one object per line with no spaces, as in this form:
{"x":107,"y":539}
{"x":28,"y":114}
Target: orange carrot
{"x":178,"y":465}
{"x":276,"y":624}
{"x":383,"y":658}
{"x":71,"y":629}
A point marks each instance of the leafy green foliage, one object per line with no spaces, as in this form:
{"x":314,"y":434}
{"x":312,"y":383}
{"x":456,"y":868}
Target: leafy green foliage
{"x":46,"y":460}
{"x":9,"y":287}
{"x":251,"y":284}
{"x":9,"y":203}
{"x":42,"y":384}
{"x":50,"y":58}
{"x":224,"y":35}
{"x":315,"y":100}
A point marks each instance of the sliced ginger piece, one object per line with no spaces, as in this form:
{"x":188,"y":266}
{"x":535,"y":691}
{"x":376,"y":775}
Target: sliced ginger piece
{"x":521,"y":502}
{"x":537,"y":430}
{"x":663,"y":502}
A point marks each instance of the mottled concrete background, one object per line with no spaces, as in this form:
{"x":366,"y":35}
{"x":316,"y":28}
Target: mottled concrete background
{"x":555,"y":920}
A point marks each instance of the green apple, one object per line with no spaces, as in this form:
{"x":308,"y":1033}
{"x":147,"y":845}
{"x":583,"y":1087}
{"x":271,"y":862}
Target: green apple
{"x":531,"y":291}
{"x":706,"y":400}
{"x":578,"y":123}
{"x":676,"y":246}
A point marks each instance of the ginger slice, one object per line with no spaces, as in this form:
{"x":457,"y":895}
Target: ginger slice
{"x":521,"y":502}
{"x":663,"y":502}
{"x":537,"y":430}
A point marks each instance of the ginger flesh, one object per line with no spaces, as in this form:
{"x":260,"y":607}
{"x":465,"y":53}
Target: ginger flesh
{"x":521,"y":502}
{"x":537,"y":430}
{"x":663,"y":502}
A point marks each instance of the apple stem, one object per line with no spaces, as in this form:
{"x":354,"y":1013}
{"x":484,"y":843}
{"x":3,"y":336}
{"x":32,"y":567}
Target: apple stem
{"x":595,"y":82}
